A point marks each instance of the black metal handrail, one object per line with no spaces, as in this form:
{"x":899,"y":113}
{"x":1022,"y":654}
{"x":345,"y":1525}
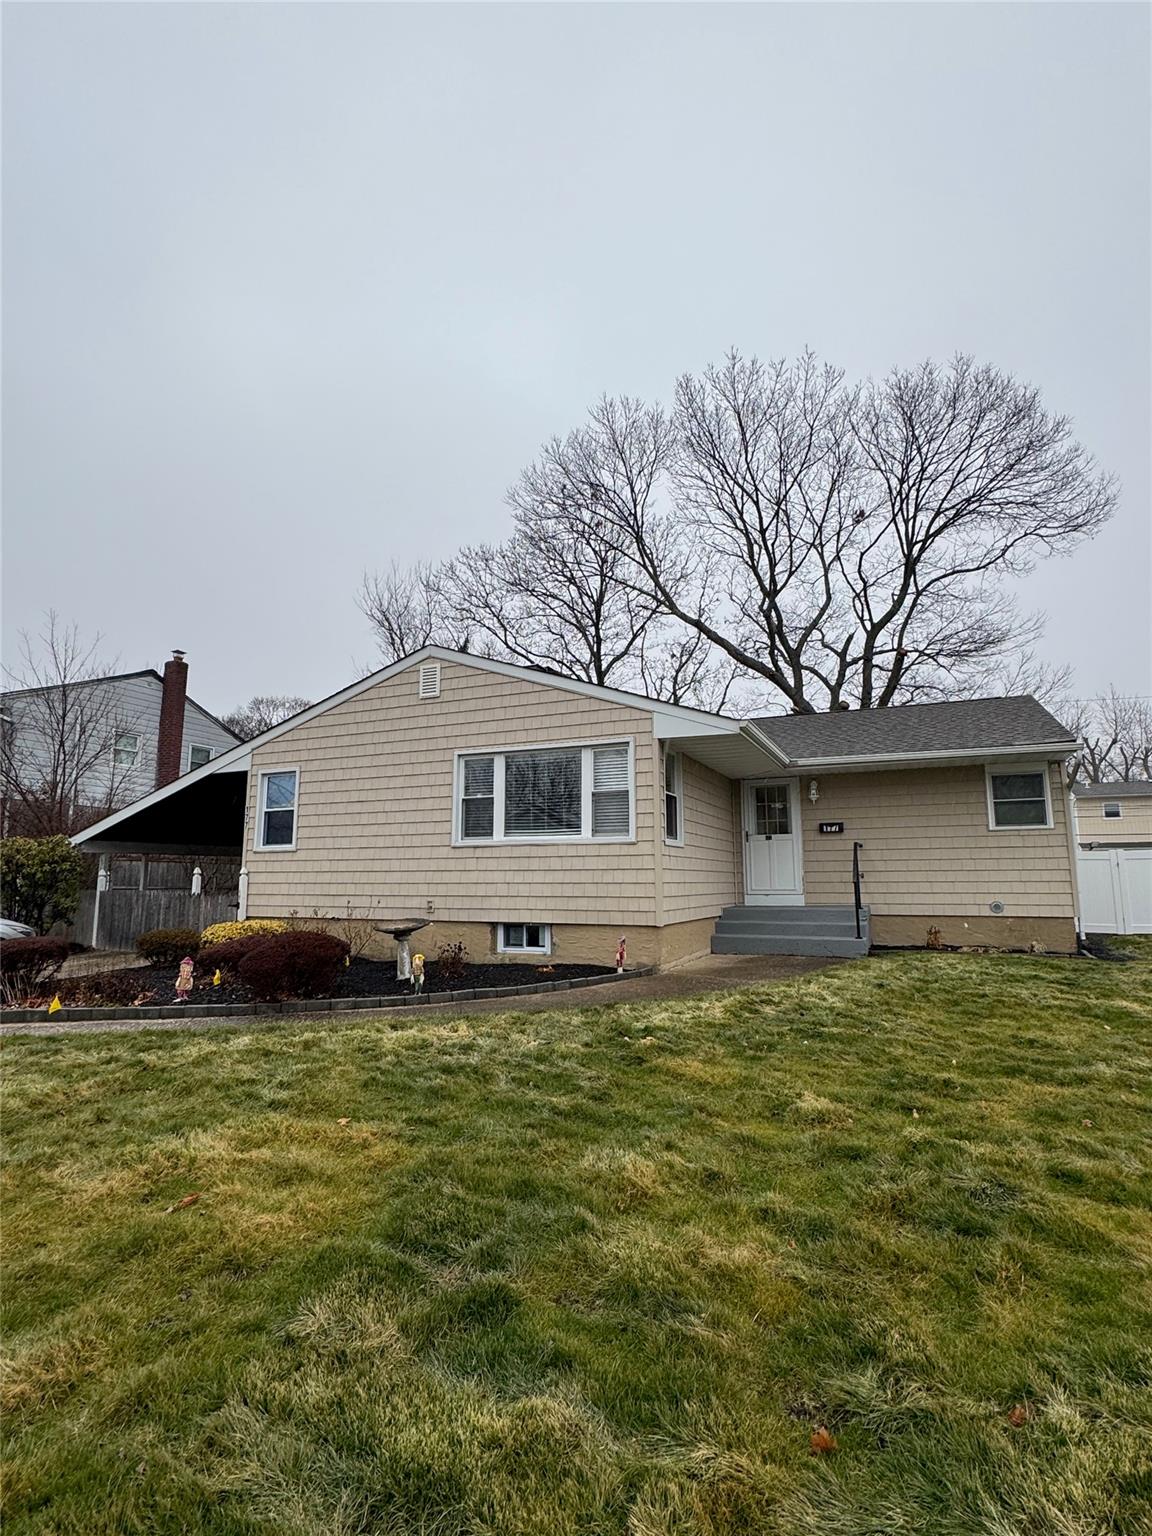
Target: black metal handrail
{"x":856,"y":847}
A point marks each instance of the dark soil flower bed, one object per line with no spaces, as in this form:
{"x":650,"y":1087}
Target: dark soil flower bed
{"x":155,"y":985}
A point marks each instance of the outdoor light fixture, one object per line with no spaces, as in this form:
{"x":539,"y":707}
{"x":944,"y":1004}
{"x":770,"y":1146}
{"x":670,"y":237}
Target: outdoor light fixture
{"x":813,"y":791}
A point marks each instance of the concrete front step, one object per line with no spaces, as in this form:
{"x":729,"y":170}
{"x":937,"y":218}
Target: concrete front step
{"x":792,"y":917}
{"x":788,"y":944}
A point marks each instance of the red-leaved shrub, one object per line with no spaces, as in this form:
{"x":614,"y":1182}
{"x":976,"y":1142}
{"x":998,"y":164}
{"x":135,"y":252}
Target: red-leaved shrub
{"x":227,"y":955}
{"x":27,"y":965}
{"x":294,"y":965}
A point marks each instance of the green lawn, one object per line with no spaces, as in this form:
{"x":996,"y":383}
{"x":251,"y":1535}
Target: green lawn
{"x":597,"y":1271}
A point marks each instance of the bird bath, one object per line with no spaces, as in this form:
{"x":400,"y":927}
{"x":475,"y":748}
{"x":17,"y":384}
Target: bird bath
{"x":402,"y":932}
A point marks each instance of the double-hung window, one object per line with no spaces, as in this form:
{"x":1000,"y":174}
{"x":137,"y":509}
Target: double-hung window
{"x":673,"y":799}
{"x":126,"y":750}
{"x":571,"y":792}
{"x":1018,"y":797}
{"x":276,"y":810}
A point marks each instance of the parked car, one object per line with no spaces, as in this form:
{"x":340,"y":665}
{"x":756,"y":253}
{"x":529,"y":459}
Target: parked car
{"x":9,"y":929}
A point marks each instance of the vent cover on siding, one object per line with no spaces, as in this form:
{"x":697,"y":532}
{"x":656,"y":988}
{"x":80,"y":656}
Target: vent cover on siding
{"x":429,"y":679}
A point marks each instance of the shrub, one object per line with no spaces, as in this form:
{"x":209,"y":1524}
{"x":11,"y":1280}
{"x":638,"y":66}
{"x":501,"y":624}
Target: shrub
{"x":39,"y":880}
{"x":227,"y":955}
{"x":26,"y":965}
{"x":167,"y":946}
{"x":452,"y":961}
{"x":217,"y":933}
{"x":294,"y":965}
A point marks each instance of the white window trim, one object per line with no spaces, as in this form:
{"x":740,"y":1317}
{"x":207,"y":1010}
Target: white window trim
{"x":201,"y":746}
{"x":504,"y":948}
{"x":1105,"y":804}
{"x":258,"y":843}
{"x":1000,"y":770}
{"x":678,"y":840}
{"x":498,"y":840}
{"x":119,"y":737}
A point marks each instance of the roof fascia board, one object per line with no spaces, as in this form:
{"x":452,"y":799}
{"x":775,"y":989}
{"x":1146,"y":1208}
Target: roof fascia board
{"x":960,"y":754}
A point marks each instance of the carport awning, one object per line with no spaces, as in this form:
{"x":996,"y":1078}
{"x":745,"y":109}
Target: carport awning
{"x":205,"y":817}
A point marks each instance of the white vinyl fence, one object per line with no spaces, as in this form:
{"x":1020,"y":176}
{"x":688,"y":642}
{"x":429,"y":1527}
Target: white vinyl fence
{"x":1115,"y":889}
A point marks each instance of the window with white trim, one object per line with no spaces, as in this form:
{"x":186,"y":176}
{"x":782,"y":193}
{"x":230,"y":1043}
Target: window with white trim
{"x":276,"y":824}
{"x":126,"y":750}
{"x":524,"y":938}
{"x":673,"y":799}
{"x":1112,"y":810}
{"x":198,"y":756}
{"x":571,"y":792}
{"x":1019,"y":798}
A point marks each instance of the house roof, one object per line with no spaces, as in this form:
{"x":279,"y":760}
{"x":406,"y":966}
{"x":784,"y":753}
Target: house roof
{"x":118,"y":677}
{"x":914,"y":730}
{"x":1128,"y":789}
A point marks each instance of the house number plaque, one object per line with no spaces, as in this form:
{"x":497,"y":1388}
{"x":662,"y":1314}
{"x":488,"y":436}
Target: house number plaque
{"x":831,"y":826}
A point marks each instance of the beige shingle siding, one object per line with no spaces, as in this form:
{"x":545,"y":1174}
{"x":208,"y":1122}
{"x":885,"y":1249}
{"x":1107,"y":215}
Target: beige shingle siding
{"x":928,"y":847}
{"x":699,"y":878}
{"x":375,"y":812}
{"x":1133,"y":826}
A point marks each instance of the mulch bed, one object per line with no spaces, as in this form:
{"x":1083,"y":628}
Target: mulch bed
{"x":156,"y":984}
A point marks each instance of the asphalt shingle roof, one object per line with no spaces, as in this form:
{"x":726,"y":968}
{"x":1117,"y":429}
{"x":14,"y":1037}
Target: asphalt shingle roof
{"x":967,"y":726}
{"x":1129,"y":790}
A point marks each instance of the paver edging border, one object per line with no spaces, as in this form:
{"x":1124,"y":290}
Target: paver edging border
{"x":307,"y":1005}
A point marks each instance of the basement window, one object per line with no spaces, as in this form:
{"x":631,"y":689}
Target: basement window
{"x":524,"y":938}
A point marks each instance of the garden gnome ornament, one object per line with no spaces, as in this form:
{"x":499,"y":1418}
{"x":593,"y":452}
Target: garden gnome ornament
{"x":184,"y":980}
{"x":417,"y":973}
{"x":621,"y":953}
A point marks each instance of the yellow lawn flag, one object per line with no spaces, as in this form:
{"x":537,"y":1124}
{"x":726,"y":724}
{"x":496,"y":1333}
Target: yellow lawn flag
{"x":55,"y":1005}
{"x":216,"y":979}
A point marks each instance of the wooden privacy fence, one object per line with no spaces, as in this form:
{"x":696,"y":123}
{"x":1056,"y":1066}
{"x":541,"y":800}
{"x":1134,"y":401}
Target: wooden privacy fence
{"x":126,"y":914}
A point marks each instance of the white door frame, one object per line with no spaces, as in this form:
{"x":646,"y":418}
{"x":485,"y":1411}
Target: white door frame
{"x":772,"y":898}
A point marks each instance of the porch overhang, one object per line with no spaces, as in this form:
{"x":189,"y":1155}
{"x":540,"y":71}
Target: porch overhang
{"x":739,"y":753}
{"x":203,"y":817}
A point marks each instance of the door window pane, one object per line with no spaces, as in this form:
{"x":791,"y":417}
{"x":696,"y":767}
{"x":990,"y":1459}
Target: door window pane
{"x":773,"y":811}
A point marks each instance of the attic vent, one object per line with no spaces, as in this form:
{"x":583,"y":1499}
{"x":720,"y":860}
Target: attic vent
{"x":430,"y":680}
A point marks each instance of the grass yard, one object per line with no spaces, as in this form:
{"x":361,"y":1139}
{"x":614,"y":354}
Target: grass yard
{"x":598,"y":1271}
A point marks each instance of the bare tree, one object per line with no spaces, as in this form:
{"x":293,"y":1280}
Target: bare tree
{"x":549,"y":597}
{"x":1116,"y":734}
{"x":408,"y":609}
{"x":65,"y":760}
{"x":261,"y":713}
{"x":846,"y":544}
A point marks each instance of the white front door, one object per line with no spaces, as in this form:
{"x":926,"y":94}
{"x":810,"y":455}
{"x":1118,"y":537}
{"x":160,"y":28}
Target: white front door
{"x":772,"y":842}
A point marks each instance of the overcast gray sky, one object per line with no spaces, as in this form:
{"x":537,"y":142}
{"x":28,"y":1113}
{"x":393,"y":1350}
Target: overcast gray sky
{"x":290,"y":290}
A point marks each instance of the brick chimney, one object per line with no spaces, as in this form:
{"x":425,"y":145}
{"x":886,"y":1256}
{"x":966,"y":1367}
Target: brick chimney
{"x":170,"y":739}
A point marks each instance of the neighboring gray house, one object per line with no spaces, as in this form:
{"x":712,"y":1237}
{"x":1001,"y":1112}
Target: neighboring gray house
{"x":73,"y":752}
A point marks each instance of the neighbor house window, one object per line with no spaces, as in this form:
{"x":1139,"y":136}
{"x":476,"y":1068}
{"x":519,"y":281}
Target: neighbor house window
{"x":549,"y":792}
{"x":1019,"y":798}
{"x":198,"y":756}
{"x":1112,"y":810}
{"x":673,"y":818}
{"x":126,"y":750}
{"x":524,"y":938}
{"x":277,"y":809}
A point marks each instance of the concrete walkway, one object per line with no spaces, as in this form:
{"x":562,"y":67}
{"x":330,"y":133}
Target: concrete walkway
{"x":711,"y":973}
